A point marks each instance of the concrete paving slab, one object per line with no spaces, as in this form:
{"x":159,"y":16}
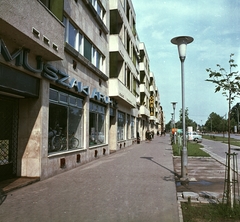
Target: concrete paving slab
{"x":134,"y":184}
{"x":192,"y":195}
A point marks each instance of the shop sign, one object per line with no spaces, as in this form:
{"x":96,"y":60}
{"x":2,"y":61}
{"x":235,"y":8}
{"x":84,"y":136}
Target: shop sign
{"x":151,"y":105}
{"x":49,"y":72}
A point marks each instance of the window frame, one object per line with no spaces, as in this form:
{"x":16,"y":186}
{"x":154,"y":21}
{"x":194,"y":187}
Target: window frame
{"x":97,"y":128}
{"x":68,"y":128}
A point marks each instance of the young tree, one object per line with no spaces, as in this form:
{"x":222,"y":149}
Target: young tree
{"x":229,"y":84}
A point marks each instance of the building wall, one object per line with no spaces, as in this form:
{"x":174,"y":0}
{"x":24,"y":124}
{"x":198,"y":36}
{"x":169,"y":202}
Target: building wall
{"x":44,"y":57}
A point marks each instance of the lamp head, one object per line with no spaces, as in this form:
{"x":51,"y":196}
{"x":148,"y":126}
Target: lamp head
{"x":174,"y":104}
{"x":181,"y":42}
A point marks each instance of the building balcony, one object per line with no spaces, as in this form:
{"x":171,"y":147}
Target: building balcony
{"x":143,"y":89}
{"x":143,"y":68}
{"x":152,"y":88}
{"x":120,"y":92}
{"x":29,"y":24}
{"x":116,"y":46}
{"x":152,"y":118}
{"x":116,"y":11}
{"x":143,"y":111}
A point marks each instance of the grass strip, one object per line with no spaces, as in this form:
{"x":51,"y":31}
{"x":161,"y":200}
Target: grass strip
{"x":209,"y":212}
{"x":193,"y":149}
{"x":223,"y":139}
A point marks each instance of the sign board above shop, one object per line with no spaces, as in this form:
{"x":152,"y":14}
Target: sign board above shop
{"x":151,"y":105}
{"x":50,"y":72}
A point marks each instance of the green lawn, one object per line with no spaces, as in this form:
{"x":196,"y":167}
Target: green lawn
{"x":196,"y":212}
{"x":193,"y":149}
{"x":209,"y":212}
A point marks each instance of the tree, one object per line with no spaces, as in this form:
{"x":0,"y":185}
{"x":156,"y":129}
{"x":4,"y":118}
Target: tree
{"x":229,"y":84}
{"x":235,"y":114}
{"x":188,"y":121}
{"x":215,"y":123}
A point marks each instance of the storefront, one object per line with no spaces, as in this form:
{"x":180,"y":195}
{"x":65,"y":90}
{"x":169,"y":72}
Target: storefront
{"x":53,"y":121}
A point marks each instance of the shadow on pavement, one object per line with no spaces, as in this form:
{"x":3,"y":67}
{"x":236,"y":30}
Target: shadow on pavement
{"x":3,"y":196}
{"x":151,"y":159}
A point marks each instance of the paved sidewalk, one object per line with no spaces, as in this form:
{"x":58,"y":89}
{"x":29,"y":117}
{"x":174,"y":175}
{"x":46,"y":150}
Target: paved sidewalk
{"x":134,"y":184}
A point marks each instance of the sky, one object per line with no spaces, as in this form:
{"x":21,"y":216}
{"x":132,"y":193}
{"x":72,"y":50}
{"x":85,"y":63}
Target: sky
{"x":215,"y":27}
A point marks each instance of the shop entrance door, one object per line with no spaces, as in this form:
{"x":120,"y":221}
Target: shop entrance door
{"x":8,"y":137}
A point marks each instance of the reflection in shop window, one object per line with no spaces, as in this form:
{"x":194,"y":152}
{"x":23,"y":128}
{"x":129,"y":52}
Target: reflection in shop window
{"x":121,"y":126}
{"x":96,"y":124}
{"x":65,"y":122}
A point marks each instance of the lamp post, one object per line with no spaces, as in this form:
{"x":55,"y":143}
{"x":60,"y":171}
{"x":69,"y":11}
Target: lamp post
{"x":172,"y":119}
{"x":181,"y":42}
{"x":174,"y":107}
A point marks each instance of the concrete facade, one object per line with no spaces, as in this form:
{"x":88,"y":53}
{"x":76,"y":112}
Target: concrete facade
{"x":71,"y":72}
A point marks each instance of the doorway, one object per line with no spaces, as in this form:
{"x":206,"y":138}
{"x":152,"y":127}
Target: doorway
{"x":8,"y":137}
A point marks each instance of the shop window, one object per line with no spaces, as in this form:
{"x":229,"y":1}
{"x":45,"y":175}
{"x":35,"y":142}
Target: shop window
{"x":132,"y":127}
{"x":65,"y":122}
{"x":128,"y":126}
{"x":97,"y":124}
{"x":121,"y":126}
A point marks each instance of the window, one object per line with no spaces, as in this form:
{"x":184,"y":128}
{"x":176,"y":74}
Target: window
{"x":121,"y":126}
{"x":65,"y":122}
{"x":132,"y":127}
{"x":96,"y":124}
{"x":128,"y":126}
{"x":80,"y":43}
{"x":72,"y":36}
{"x":98,"y":8}
{"x":55,"y":6}
{"x":97,"y":58}
{"x":87,"y":50}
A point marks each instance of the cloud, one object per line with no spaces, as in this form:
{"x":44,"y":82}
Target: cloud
{"x":214,"y":25}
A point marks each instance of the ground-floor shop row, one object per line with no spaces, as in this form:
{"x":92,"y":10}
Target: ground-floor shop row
{"x":58,"y":130}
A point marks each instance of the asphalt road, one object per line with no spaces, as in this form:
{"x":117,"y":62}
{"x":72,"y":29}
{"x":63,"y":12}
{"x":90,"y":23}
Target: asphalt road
{"x":218,"y":150}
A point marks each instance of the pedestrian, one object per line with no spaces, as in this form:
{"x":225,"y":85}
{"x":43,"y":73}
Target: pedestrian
{"x":138,"y":138}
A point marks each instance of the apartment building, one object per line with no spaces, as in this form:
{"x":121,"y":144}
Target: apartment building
{"x":123,"y":74}
{"x":72,"y":84}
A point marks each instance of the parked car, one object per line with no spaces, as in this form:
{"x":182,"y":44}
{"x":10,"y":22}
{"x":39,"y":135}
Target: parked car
{"x":194,"y":136}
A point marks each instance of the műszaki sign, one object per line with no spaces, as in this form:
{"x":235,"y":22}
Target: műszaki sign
{"x":49,"y":72}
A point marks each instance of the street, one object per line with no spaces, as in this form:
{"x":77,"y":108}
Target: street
{"x":218,"y":150}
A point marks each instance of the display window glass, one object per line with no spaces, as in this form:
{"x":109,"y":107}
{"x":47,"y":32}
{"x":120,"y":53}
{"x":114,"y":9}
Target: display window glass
{"x":97,"y":132}
{"x":65,"y":122}
{"x":121,"y":126}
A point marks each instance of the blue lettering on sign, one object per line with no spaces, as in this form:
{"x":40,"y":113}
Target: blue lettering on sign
{"x":100,"y":97}
{"x":49,"y":72}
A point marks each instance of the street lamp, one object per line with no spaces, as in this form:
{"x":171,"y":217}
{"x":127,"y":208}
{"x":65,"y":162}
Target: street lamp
{"x":172,"y":119}
{"x":174,"y":107}
{"x":181,"y":42}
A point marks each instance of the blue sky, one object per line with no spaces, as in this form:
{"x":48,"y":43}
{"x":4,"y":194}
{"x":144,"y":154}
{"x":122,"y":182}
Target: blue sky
{"x":215,"y":27}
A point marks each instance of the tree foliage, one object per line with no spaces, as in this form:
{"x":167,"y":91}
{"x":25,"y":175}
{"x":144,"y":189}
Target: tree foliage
{"x":216,"y":123}
{"x":229,"y":84}
{"x":226,"y":82}
{"x":188,"y":121}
